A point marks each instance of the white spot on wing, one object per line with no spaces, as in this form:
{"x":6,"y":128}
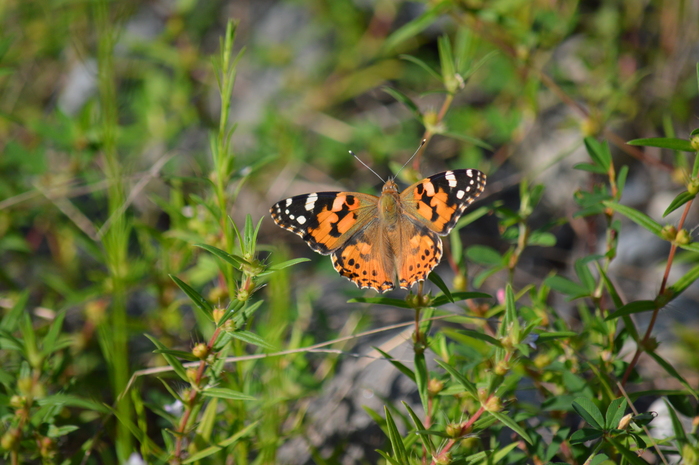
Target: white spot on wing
{"x":291,"y":216}
{"x":469,"y":173}
{"x":286,"y":211}
{"x":288,"y":202}
{"x":449,"y":175}
{"x":301,"y":219}
{"x":311,"y":202}
{"x":460,"y":194}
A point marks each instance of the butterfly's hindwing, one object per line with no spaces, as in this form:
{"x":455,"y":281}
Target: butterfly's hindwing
{"x":325,"y":220}
{"x":439,"y":201}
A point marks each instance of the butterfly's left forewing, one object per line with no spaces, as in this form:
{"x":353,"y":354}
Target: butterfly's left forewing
{"x":325,"y":220}
{"x":439,"y":201}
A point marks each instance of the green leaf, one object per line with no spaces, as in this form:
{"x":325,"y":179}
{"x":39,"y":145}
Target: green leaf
{"x":589,"y":411}
{"x":200,"y":302}
{"x":510,"y":323}
{"x":405,"y":100}
{"x":288,"y":263}
{"x":442,"y":299}
{"x":510,"y":423}
{"x":399,"y":366}
{"x":468,"y":385}
{"x":681,"y":199}
{"x":410,"y":29}
{"x":380,"y":301}
{"x":638,"y":306}
{"x":502,"y":452}
{"x":599,"y":152}
{"x":69,"y":400}
{"x":599,"y":459}
{"x":677,"y":427}
{"x":171,"y":360}
{"x":542,"y":239}
{"x":636,"y":216}
{"x":672,"y":372}
{"x":224,"y":393}
{"x":421,"y":378}
{"x":684,"y":282}
{"x":665,"y":143}
{"x":466,"y":138}
{"x":215,"y":448}
{"x":178,"y":353}
{"x":484,"y":255}
{"x":233,"y":260}
{"x":556,"y":335}
{"x":58,"y":431}
{"x":48,"y":344}
{"x":434,"y":277}
{"x":399,"y":452}
{"x":589,"y":167}
{"x":10,"y":320}
{"x":251,"y":338}
{"x":472,"y":216}
{"x":566,"y":286}
{"x":584,"y":435}
{"x":420,"y":429}
{"x":473,"y":335}
{"x":630,"y":456}
{"x":422,"y":65}
{"x":615,"y":412}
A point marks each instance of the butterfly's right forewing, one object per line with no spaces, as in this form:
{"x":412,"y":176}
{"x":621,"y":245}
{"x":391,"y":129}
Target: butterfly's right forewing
{"x":325,"y":220}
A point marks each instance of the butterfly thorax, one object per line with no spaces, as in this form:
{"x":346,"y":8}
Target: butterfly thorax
{"x":389,"y":203}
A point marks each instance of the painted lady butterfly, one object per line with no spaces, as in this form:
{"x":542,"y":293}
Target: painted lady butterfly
{"x":374,"y":240}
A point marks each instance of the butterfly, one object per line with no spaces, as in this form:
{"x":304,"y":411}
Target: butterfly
{"x":378,"y":242}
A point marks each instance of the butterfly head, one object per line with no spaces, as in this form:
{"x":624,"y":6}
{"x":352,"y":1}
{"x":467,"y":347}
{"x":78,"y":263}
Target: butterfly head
{"x":390,"y":187}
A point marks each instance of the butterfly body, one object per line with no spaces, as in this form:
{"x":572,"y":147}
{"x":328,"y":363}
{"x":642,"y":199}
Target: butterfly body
{"x":377,"y":242}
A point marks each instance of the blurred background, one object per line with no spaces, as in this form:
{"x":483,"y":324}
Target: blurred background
{"x":108,"y":111}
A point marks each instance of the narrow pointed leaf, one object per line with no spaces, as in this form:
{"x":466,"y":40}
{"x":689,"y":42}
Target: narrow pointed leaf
{"x":510,"y":423}
{"x":399,"y":452}
{"x":399,"y":366}
{"x":224,"y":393}
{"x":672,"y":372}
{"x":636,"y":216}
{"x":200,"y":302}
{"x":426,"y":439}
{"x":638,"y":306}
{"x":665,"y":143}
{"x":171,"y":360}
{"x":681,"y":199}
{"x":380,"y":301}
{"x":468,"y":385}
{"x":437,"y":280}
{"x":213,"y":449}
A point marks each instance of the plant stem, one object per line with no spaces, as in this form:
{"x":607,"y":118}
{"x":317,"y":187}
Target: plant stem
{"x":641,"y":345}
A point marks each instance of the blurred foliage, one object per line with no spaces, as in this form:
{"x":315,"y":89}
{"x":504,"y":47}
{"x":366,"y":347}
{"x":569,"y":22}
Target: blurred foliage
{"x":141,"y":143}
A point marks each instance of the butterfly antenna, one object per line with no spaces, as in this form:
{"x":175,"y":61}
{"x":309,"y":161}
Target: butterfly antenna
{"x":424,"y":141}
{"x":367,"y":166}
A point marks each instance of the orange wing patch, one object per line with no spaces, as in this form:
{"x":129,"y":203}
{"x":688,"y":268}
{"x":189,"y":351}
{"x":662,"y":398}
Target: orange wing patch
{"x":421,"y":254}
{"x":361,"y":263}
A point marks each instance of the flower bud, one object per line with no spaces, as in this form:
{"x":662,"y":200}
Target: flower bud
{"x":493,"y":404}
{"x":200,"y":351}
{"x":683,"y":237}
{"x":694,"y":141}
{"x":434,"y":386}
{"x":625,"y":421}
{"x":218,"y":314}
